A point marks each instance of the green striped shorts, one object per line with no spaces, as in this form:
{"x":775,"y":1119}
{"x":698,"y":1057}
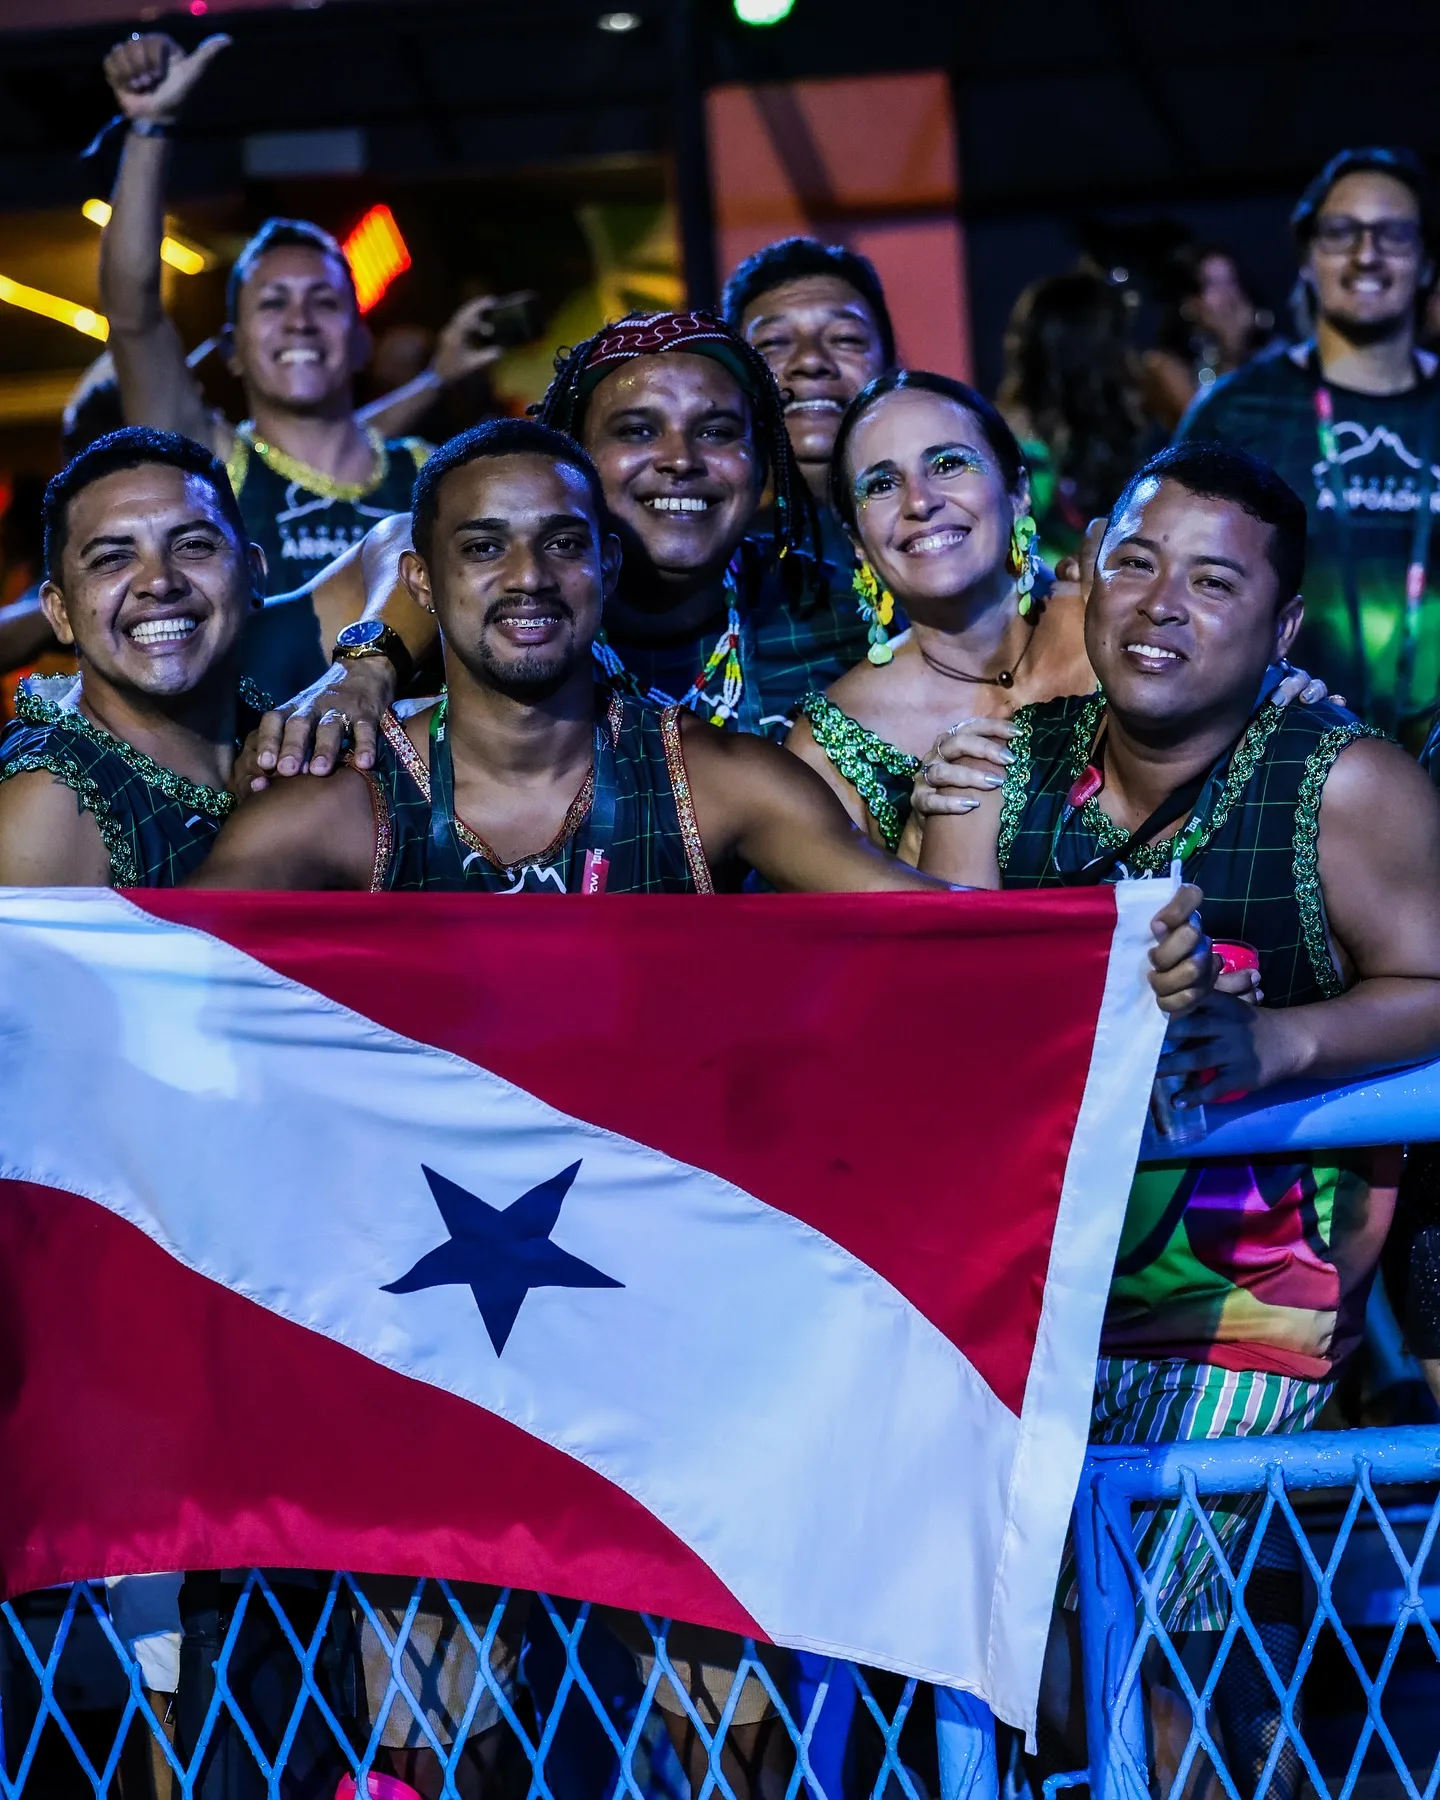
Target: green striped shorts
{"x":1138,"y":1401}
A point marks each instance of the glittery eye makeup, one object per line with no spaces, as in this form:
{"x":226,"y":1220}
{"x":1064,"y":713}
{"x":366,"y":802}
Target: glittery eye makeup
{"x":870,"y":483}
{"x":954,"y":459}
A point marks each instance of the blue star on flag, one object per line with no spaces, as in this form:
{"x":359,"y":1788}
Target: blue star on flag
{"x":500,"y":1253}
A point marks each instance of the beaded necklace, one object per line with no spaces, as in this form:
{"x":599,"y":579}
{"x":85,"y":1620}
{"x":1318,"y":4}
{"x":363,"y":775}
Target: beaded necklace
{"x":314,"y":481}
{"x":723,"y":706}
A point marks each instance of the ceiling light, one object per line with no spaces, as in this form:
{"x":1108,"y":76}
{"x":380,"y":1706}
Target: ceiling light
{"x":187,"y":258}
{"x":51,"y":306}
{"x":763,"y":12}
{"x":619,"y":21}
{"x":376,"y":253}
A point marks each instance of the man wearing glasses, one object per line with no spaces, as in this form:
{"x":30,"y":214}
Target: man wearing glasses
{"x":1351,"y":419}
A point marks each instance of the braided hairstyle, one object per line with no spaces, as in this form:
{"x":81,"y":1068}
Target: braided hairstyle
{"x":796,"y":524}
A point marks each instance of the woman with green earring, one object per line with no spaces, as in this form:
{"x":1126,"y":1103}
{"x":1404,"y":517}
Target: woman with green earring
{"x":931,"y":484}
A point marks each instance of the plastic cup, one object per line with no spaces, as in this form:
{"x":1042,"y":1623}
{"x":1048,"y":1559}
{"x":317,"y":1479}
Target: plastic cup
{"x":1235,"y":955}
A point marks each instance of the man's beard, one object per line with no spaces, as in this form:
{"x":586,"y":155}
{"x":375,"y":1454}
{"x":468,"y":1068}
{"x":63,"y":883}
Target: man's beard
{"x":535,"y":675}
{"x":1364,"y":332}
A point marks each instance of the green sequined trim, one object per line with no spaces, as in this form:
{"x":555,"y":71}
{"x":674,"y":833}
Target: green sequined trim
{"x":858,"y":753}
{"x":1155,"y":859}
{"x":1015,"y":795}
{"x":92,"y":800}
{"x":1307,"y":860}
{"x":192,"y":795}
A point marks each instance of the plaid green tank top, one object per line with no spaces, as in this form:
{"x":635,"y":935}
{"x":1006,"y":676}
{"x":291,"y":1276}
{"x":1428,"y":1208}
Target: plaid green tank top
{"x":1250,"y":844}
{"x":654,"y":847}
{"x":1257,"y":1262}
{"x":157,"y":826}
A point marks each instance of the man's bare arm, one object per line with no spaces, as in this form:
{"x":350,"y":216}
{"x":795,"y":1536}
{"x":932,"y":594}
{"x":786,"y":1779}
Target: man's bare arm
{"x":774,"y":812}
{"x":1379,"y":859}
{"x":151,"y":78}
{"x":299,"y":834}
{"x":46,"y":838}
{"x":25,"y":633}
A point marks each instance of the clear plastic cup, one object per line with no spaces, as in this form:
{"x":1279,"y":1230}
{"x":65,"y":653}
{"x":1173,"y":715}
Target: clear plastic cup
{"x":1181,"y":1126}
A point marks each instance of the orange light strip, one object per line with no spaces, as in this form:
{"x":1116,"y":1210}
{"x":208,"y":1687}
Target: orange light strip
{"x":52,"y":306}
{"x":376,"y":253}
{"x":182,"y":256}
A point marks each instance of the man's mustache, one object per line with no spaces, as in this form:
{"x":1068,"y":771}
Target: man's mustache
{"x":521,"y":609}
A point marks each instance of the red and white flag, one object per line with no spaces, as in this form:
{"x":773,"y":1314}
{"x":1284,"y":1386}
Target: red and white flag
{"x":740,"y":1262}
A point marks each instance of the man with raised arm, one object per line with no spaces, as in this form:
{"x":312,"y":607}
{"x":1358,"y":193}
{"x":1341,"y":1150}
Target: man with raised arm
{"x":310,"y":477}
{"x":1241,"y":1282}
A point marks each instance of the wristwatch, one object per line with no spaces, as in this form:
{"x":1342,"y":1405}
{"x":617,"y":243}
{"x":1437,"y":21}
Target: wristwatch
{"x":373,"y":637}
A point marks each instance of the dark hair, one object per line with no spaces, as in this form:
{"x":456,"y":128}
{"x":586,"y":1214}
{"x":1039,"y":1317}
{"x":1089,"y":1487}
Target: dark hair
{"x":565,"y":404}
{"x":1069,"y":369}
{"x":135,"y":447}
{"x":94,"y":413}
{"x":1396,"y":161}
{"x":1002,"y":440}
{"x":1220,"y":472}
{"x":496,"y":437}
{"x":283,"y":234}
{"x":791,"y":259}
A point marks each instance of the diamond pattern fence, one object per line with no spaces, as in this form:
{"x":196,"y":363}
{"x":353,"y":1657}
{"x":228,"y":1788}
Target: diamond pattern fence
{"x":297,"y":1686}
{"x":1325,"y":1677}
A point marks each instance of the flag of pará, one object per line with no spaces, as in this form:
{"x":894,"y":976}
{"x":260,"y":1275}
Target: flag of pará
{"x":739,"y":1262}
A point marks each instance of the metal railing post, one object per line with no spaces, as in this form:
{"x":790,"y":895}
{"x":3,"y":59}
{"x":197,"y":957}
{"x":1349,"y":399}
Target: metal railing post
{"x":1107,"y":1643}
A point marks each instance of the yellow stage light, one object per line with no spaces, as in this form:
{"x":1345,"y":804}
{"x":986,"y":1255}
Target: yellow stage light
{"x":376,"y":253}
{"x":51,"y":306}
{"x":175,"y":251}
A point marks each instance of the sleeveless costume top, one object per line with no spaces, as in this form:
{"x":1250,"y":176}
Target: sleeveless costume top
{"x":1249,"y":1263}
{"x":879,"y":772}
{"x":302,"y":519}
{"x":652,"y":844}
{"x":157,"y":826}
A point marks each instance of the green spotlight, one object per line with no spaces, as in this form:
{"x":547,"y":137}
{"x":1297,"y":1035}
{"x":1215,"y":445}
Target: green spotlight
{"x":763,"y":12}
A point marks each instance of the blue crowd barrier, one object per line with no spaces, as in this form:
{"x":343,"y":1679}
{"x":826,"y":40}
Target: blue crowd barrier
{"x":588,"y":1724}
{"x":1355,"y":1513}
{"x":1398,"y":1107}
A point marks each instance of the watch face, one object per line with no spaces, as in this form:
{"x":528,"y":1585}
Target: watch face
{"x":358,"y":635}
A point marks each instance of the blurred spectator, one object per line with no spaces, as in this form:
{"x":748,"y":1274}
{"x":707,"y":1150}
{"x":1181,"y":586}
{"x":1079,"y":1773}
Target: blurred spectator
{"x":1351,"y":418}
{"x":1210,"y":326}
{"x":817,"y":314}
{"x":1071,"y":394}
{"x":311,"y":476}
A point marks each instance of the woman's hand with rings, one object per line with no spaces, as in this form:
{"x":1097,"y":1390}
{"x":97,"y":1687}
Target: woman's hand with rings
{"x":965,"y":763}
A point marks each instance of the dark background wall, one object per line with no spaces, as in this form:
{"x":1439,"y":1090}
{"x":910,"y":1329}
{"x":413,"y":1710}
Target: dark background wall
{"x":1069,"y":110}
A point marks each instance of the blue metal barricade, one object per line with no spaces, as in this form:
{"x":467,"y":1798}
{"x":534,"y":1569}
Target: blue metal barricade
{"x":493,"y":1691}
{"x":1354,"y":1514}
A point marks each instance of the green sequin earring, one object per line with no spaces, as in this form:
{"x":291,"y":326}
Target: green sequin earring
{"x":1022,"y":561}
{"x":877,"y":609}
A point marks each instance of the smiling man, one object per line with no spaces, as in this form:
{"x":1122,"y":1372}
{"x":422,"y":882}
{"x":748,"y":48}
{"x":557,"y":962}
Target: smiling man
{"x":119,"y":775}
{"x":310,"y":477}
{"x":1240,"y":1285}
{"x":1351,"y":419}
{"x":817,"y":314}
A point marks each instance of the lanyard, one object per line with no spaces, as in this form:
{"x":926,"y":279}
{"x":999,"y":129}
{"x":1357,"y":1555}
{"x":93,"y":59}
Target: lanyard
{"x":1181,"y":802}
{"x":595,"y":836}
{"x":1415,"y":567}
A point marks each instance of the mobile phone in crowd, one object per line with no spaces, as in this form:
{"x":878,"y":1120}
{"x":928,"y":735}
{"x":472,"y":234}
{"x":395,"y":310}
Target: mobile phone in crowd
{"x":513,"y":319}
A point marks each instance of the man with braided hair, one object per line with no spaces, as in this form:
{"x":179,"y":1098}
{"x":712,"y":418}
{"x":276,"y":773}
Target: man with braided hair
{"x":685,"y":424}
